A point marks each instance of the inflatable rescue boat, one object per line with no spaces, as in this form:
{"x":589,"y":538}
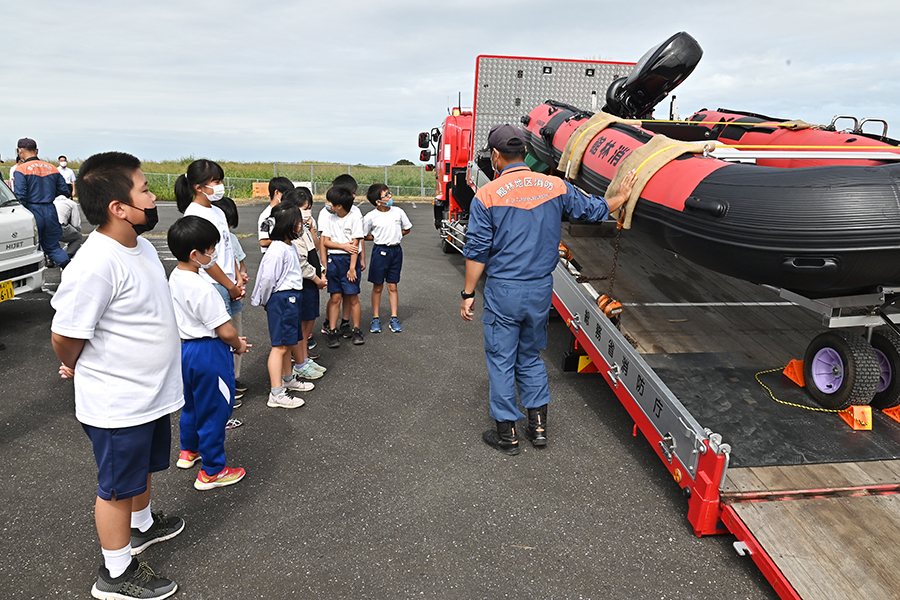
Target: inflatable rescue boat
{"x":818,"y":231}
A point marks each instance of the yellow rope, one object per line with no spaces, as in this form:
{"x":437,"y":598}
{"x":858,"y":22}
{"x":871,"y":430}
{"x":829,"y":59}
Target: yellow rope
{"x":813,"y":408}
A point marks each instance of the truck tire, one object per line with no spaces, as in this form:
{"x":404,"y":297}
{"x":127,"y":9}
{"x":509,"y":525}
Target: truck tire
{"x":840,"y":370}
{"x":886,"y":343}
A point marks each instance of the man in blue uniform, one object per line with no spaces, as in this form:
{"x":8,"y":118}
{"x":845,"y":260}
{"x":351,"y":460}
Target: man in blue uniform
{"x":513,"y":237}
{"x":36,"y":184}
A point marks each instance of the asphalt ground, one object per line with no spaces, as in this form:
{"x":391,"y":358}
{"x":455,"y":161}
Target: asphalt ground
{"x":380,"y":487}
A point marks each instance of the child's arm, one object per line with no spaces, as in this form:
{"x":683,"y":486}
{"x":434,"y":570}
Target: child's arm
{"x":234,"y":290}
{"x":242,"y":269}
{"x":405,"y":231}
{"x":348,"y":247}
{"x":67,"y":350}
{"x":228,"y":334}
{"x":362,"y":254}
{"x":351,"y":274}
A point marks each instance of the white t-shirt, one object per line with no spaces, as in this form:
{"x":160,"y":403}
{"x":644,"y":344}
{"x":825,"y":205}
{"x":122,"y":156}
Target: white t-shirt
{"x":342,"y":230}
{"x":117,"y":299}
{"x":214,"y":215}
{"x":68,"y":174}
{"x":261,"y":231}
{"x":386,"y":228}
{"x":198,"y":306}
{"x":67,"y":211}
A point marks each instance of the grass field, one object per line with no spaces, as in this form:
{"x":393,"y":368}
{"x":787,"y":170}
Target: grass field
{"x":404,"y":181}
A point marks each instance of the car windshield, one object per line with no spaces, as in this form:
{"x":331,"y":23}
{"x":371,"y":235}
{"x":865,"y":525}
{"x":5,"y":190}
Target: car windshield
{"x":6,"y":195}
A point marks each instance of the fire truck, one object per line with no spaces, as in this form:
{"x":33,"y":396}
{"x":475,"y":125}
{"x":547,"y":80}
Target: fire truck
{"x":696,"y":358}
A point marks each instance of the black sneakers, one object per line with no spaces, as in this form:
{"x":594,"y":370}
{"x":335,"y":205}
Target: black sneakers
{"x":138,"y":581}
{"x":357,"y":336}
{"x":345,"y":328}
{"x":334,"y":338}
{"x":504,"y":438}
{"x":163,"y":528}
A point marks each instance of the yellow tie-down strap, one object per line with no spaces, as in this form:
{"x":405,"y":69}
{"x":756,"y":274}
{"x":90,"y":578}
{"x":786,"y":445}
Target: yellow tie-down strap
{"x":576,"y":146}
{"x":646,"y":161}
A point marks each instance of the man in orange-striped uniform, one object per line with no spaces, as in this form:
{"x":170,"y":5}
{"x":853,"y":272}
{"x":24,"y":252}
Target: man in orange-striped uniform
{"x":513,"y":237}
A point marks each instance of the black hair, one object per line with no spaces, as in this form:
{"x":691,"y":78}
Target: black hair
{"x":299,"y":197}
{"x":199,"y":172}
{"x":374,"y":193}
{"x":346,"y":181}
{"x":513,"y":156}
{"x":227,"y":206}
{"x":279,"y":184}
{"x":191,"y":233}
{"x":62,"y":156}
{"x":103,"y":178}
{"x":287,"y":217}
{"x":340,"y":196}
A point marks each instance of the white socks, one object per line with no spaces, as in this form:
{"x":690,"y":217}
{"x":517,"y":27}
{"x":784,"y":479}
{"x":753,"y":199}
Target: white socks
{"x":142,"y":519}
{"x":117,"y":561}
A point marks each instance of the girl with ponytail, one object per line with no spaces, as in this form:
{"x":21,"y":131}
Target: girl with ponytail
{"x":195,"y":192}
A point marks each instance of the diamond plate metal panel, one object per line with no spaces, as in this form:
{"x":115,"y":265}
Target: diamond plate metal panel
{"x":507,"y":88}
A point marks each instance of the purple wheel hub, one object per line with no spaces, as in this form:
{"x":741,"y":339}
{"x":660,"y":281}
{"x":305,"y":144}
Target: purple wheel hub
{"x":827,"y":370}
{"x":887,"y":374}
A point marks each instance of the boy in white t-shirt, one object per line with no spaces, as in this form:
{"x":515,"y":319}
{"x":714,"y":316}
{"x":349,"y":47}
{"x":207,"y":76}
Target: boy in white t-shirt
{"x":114,"y":331}
{"x":341,"y":233}
{"x":207,"y":367}
{"x":278,"y":186}
{"x":386,"y":226}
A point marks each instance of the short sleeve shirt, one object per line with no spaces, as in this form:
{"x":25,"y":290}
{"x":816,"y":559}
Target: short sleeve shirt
{"x":116,"y":299}
{"x":198,"y":306}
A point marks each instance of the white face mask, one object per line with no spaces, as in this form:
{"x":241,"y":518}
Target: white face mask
{"x":218,"y":192}
{"x":212,"y":260}
{"x":63,"y":164}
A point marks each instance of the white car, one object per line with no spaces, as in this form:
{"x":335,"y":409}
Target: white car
{"x":21,"y":259}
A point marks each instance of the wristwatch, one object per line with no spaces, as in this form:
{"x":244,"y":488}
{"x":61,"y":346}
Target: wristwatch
{"x":466,"y":296}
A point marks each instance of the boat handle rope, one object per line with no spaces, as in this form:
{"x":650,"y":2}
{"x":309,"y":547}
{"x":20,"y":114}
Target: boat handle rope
{"x":813,"y":408}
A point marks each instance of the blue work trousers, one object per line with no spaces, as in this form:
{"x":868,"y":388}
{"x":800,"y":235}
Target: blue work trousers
{"x":207,"y":369}
{"x":515,"y":331}
{"x":49,"y":230}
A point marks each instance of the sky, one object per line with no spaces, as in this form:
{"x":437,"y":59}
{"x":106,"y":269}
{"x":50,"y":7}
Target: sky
{"x":354,"y":82}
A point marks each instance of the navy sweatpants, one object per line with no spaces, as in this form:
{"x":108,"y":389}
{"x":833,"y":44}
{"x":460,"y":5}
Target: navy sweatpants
{"x":207,"y":368}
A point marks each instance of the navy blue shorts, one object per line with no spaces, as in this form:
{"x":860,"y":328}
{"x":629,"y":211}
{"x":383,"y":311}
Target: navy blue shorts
{"x":338,"y":265}
{"x":283,"y":314}
{"x":385,"y":264}
{"x":126,"y":456}
{"x":309,"y":301}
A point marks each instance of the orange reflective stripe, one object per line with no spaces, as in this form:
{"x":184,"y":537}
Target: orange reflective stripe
{"x":36,"y":167}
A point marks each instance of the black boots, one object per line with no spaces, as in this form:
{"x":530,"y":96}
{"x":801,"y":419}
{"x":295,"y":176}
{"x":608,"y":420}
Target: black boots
{"x":537,"y":426}
{"x":504,"y":438}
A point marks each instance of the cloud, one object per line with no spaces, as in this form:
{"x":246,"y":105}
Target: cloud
{"x":355,"y":82}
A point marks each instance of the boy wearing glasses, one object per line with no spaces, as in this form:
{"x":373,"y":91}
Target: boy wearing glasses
{"x":385,"y":226}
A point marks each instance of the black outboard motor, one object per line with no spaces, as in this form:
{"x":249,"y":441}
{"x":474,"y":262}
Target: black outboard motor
{"x":658,"y":72}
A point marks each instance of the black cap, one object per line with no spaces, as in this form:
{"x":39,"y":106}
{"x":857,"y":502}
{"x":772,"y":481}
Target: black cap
{"x":27,"y":144}
{"x":506,"y":139}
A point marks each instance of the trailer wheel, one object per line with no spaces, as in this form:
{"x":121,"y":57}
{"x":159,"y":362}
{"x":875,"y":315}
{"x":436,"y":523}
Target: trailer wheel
{"x":886,"y":343}
{"x":446,"y":247}
{"x":840,"y":370}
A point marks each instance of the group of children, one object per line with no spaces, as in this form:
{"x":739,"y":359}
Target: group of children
{"x":118,"y":325}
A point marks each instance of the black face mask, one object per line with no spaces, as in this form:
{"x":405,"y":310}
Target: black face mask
{"x":152,"y":218}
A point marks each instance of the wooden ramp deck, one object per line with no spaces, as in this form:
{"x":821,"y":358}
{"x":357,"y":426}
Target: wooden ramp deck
{"x":841,"y":546}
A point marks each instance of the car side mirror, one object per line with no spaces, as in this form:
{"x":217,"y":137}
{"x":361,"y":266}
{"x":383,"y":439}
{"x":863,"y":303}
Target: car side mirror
{"x":425,"y":155}
{"x":424,"y":139}
{"x":429,"y":167}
